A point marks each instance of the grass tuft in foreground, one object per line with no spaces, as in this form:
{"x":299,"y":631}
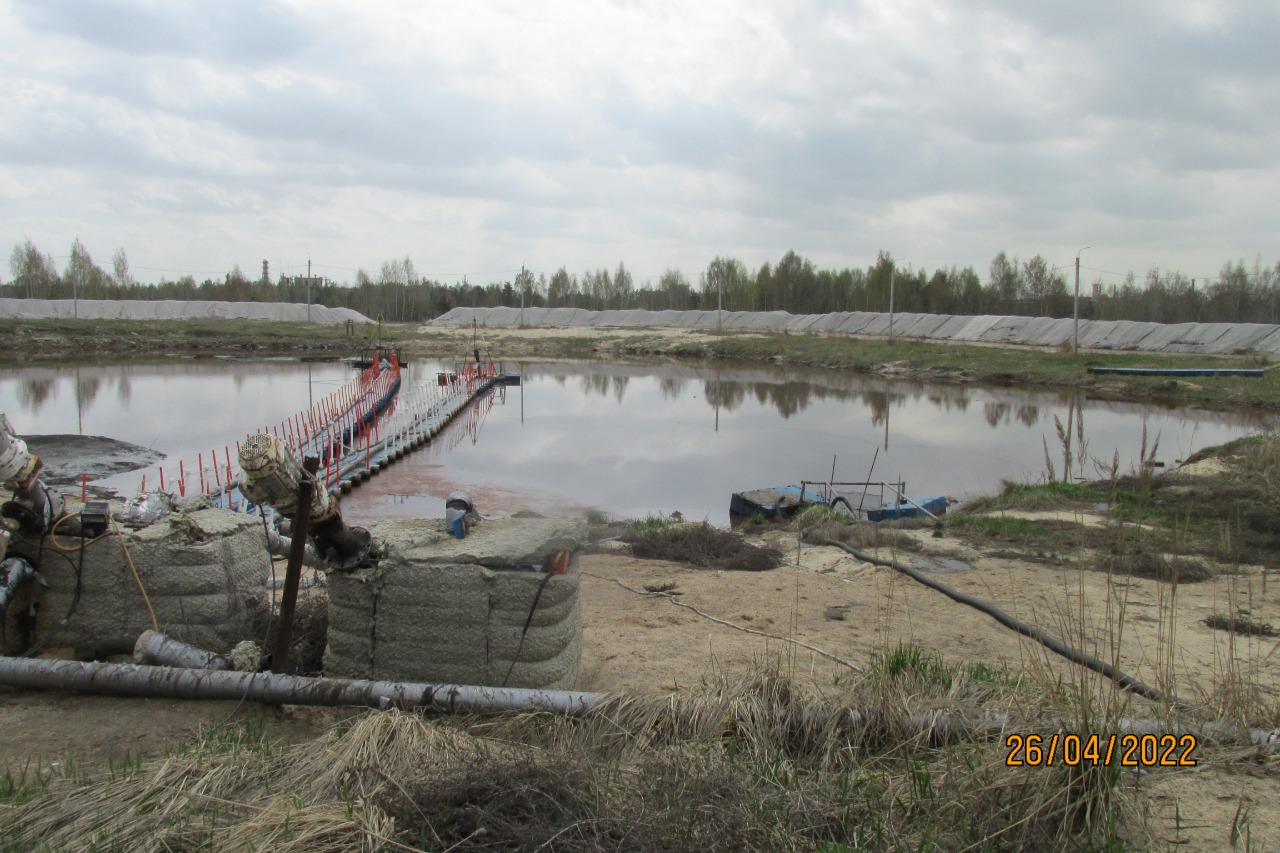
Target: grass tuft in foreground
{"x":756,"y":764}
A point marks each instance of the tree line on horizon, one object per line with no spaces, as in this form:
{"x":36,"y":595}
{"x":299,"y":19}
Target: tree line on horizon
{"x":397,"y":293}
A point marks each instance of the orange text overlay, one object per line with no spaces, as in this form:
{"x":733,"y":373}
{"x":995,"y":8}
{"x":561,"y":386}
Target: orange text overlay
{"x":1129,"y":750}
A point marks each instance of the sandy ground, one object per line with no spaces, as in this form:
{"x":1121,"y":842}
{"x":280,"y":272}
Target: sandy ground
{"x":645,"y":643}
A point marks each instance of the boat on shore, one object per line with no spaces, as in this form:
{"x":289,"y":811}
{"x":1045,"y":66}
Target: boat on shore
{"x":785,"y":501}
{"x":909,"y":508}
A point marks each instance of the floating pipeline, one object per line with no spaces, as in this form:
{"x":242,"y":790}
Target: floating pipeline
{"x":379,"y":423}
{"x":375,"y":391}
{"x":363,"y":463}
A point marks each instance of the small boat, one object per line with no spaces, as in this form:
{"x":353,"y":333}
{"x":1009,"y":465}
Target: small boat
{"x":783,"y":501}
{"x":909,"y":508}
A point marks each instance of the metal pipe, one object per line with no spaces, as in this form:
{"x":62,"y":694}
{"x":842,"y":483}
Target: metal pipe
{"x":35,"y":507}
{"x":115,"y":679}
{"x":279,"y":545}
{"x":14,"y":572}
{"x":904,"y":499}
{"x":271,"y":475}
{"x":119,"y":679}
{"x":154,"y":647}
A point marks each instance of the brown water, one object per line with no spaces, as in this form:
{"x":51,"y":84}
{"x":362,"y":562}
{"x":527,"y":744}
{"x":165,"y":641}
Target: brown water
{"x":630,"y":440}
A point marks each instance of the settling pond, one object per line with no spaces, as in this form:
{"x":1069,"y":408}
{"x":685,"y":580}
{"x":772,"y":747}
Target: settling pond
{"x":630,"y":440}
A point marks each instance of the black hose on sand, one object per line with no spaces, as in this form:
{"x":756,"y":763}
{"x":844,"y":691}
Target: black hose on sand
{"x":1076,"y":656}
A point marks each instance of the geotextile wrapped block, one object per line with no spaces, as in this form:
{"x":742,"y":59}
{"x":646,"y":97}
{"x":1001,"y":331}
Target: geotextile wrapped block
{"x":203,"y":572}
{"x":442,"y":610}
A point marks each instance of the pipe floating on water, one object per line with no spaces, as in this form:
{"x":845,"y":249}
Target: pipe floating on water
{"x":1255,"y":372}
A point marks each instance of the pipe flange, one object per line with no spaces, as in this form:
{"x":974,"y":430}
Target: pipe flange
{"x":360,"y":555}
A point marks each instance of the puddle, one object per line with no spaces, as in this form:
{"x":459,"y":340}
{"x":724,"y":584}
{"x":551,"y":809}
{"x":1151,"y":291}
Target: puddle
{"x":939,"y":565}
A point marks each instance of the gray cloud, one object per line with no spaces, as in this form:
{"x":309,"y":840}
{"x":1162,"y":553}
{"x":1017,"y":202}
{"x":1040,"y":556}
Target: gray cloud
{"x":942,"y":130}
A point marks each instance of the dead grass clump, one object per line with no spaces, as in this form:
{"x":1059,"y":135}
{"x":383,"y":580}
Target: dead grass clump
{"x":863,"y":536}
{"x":1144,"y":564}
{"x":1240,"y":623}
{"x":701,"y":545}
{"x":755,"y":764}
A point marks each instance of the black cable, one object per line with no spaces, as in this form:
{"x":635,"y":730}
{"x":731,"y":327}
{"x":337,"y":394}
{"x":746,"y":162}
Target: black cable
{"x":271,"y":606}
{"x":527,"y":621}
{"x":40,"y":644}
{"x":1076,"y":656}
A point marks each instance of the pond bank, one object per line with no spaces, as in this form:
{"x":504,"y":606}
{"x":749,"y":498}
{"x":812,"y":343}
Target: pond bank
{"x":27,"y":341}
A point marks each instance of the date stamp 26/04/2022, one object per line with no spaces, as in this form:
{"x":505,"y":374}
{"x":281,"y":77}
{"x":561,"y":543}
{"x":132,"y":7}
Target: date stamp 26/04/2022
{"x":1127,"y":750}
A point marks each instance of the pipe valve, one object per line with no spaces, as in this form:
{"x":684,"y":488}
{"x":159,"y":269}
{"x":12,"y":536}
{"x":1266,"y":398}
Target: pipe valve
{"x":35,"y":507}
{"x":271,"y":475}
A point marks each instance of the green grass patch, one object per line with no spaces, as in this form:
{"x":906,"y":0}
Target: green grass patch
{"x":597,"y":517}
{"x":1006,"y":528}
{"x":34,"y":339}
{"x":651,"y":526}
{"x":1039,"y":496}
{"x":20,"y":784}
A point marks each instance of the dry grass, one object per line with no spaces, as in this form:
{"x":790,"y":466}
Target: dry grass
{"x":1240,"y":623}
{"x":700,"y":545}
{"x":819,"y":526}
{"x":752,"y":765}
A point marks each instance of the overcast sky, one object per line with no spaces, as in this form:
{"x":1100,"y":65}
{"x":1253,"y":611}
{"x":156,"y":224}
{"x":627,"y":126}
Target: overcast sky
{"x":476,"y":136}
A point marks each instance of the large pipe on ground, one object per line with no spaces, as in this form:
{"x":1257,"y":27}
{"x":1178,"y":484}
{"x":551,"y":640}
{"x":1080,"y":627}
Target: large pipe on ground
{"x":172,"y":683}
{"x":116,"y":679}
{"x":155,"y":648}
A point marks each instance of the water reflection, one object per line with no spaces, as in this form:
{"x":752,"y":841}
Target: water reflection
{"x":635,"y":440}
{"x":630,"y":439}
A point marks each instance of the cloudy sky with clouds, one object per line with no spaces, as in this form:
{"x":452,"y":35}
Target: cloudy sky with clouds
{"x":477,"y":136}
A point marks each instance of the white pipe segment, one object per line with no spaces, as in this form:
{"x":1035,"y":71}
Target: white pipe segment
{"x":173,"y":683}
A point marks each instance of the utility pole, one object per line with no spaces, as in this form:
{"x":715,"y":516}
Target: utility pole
{"x":1075,"y":311}
{"x":892,"y":270}
{"x":719,"y":315}
{"x":308,"y":288}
